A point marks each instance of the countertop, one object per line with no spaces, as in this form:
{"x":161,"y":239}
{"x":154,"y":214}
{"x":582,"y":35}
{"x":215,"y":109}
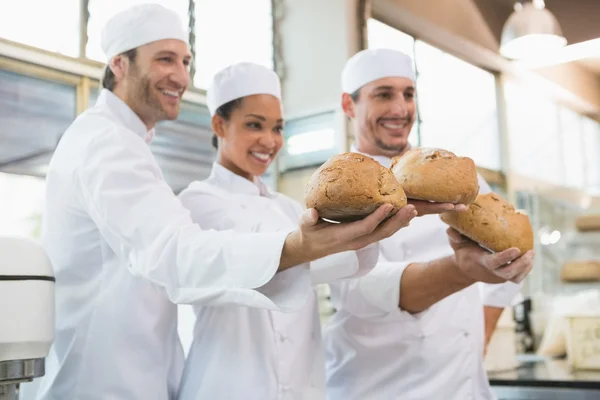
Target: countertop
{"x":534,"y":371}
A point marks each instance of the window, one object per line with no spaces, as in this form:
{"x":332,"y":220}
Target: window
{"x":534,"y":135}
{"x":310,"y":140}
{"x":21,"y":205}
{"x":571,"y":132}
{"x":34,"y":115}
{"x":230,"y":31}
{"x":49,"y":25}
{"x":384,"y":36}
{"x":100,"y":11}
{"x":591,"y":154}
{"x":380,"y":35}
{"x":457,"y":106}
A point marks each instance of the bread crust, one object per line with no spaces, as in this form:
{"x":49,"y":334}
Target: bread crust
{"x":350,"y":186}
{"x":436,"y":175}
{"x":494,"y":223}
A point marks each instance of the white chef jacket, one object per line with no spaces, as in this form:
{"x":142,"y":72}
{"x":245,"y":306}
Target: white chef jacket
{"x":124,"y":250}
{"x":375,"y":350}
{"x":248,"y":353}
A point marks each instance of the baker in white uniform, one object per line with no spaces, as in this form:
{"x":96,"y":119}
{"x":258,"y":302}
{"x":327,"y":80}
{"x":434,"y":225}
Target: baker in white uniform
{"x":240,"y":352}
{"x":413,"y":328}
{"x":124,"y":249}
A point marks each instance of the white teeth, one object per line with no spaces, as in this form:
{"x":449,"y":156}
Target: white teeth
{"x":262,"y":156}
{"x":394,"y":126}
{"x":170,"y":93}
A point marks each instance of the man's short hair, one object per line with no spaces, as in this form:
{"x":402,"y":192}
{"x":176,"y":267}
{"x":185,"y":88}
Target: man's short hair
{"x":108,"y":80}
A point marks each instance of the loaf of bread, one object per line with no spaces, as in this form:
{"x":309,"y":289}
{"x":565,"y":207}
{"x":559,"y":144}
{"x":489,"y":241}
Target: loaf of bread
{"x":436,"y":175}
{"x":580,"y":271}
{"x":350,"y":186}
{"x":493,"y":223}
{"x":585,"y":223}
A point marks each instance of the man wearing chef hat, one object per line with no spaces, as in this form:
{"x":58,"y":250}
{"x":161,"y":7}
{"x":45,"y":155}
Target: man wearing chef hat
{"x":413,"y":328}
{"x":125,"y":250}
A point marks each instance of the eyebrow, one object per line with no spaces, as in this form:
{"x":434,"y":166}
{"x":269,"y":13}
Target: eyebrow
{"x":280,"y":120}
{"x":172,"y":54}
{"x":387,"y":87}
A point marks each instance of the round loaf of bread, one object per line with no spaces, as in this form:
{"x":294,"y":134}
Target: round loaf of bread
{"x":493,"y":223}
{"x":436,"y":175}
{"x":350,"y":186}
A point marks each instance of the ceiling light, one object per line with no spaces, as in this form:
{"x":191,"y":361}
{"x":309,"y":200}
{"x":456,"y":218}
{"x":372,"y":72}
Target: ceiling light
{"x":530,"y":32}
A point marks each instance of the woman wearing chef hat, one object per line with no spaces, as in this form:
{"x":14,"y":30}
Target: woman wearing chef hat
{"x":240,"y":352}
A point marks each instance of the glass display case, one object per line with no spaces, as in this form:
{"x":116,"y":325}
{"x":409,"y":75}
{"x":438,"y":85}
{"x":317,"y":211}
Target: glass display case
{"x":557,"y":239}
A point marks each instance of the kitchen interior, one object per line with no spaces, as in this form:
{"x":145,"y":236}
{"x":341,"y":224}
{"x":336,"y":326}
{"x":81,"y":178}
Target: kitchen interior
{"x":514,"y":85}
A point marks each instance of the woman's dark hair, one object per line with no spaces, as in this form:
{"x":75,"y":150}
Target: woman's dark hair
{"x":225,"y":112}
{"x":108,"y":80}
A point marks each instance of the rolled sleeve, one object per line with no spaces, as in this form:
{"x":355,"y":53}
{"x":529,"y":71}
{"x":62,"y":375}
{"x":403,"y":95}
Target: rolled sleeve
{"x":499,"y":295}
{"x":375,"y":295}
{"x":348,"y":264}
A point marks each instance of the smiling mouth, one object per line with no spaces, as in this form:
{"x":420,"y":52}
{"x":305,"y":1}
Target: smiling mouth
{"x":264,"y":157}
{"x":171,"y":93}
{"x":394,"y":125}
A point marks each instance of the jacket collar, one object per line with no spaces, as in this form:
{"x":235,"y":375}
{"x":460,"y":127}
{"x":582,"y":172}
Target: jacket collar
{"x":236,"y":184}
{"x":124,"y":114}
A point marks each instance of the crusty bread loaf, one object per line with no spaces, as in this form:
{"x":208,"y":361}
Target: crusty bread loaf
{"x":436,"y":175}
{"x":350,"y":186}
{"x":493,"y":223}
{"x":580,"y":271}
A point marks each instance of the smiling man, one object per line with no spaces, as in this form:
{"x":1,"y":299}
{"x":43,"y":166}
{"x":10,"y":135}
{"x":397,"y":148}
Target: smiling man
{"x":413,"y":327}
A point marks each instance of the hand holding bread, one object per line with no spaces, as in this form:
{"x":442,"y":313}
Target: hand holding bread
{"x":494,"y":223}
{"x":479,"y":265}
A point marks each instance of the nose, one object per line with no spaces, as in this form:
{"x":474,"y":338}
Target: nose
{"x":267,"y":140}
{"x":180,"y":75}
{"x":400,"y":107}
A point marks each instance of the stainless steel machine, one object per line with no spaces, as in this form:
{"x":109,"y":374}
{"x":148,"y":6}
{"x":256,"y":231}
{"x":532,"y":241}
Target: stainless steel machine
{"x":26,"y":313}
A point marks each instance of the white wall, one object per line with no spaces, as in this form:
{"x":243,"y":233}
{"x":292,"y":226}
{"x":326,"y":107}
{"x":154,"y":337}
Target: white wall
{"x":317,"y":37}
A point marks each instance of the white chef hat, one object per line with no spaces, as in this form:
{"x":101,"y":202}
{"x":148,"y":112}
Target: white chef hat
{"x":140,"y":25}
{"x":369,"y":65}
{"x":241,"y":80}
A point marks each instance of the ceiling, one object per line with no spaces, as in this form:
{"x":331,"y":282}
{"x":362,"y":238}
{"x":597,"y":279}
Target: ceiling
{"x":572,"y":15}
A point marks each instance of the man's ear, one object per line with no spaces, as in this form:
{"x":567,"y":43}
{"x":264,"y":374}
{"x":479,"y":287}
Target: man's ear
{"x":348,"y":105}
{"x":218,"y":125}
{"x":118,"y":65}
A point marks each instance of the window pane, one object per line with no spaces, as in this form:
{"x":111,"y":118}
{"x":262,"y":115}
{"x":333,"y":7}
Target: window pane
{"x":380,"y":35}
{"x":49,"y":25}
{"x":102,"y":10}
{"x":230,"y":31}
{"x":34,"y":113}
{"x":21,"y":204}
{"x":457,"y":105}
{"x":534,"y":135}
{"x":591,"y":140}
{"x":571,"y":132}
{"x":309,"y":140}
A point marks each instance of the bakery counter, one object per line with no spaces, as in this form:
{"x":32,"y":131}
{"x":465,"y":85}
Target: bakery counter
{"x":545,"y":379}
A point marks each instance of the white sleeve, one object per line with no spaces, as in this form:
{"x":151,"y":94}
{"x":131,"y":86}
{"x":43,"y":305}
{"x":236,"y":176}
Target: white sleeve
{"x":146,"y":225}
{"x":347,"y":264}
{"x":211,"y":209}
{"x":375,"y":295}
{"x":499,"y":295}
